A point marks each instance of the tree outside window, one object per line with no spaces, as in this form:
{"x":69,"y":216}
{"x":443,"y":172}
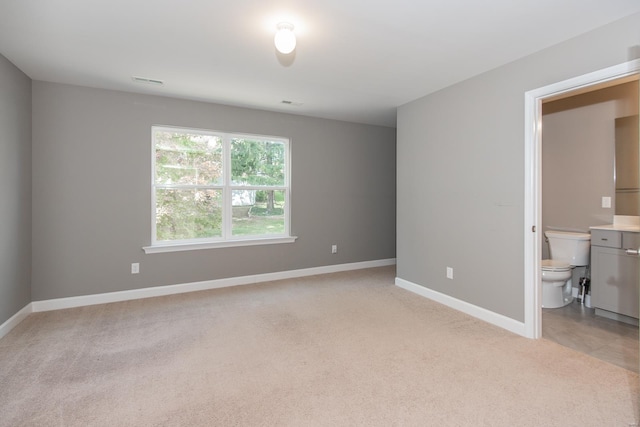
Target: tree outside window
{"x":218,"y":186}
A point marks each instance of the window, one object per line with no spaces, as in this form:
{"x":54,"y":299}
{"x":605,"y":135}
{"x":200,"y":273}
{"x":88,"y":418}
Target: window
{"x":215,"y":189}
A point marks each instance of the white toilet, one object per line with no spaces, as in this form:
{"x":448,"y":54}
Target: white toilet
{"x":567,"y":250}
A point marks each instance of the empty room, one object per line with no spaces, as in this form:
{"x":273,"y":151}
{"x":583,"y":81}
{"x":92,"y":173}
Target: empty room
{"x":319,"y":213}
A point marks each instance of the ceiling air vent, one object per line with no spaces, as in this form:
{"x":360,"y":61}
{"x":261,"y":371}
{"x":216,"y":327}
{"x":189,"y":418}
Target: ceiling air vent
{"x":148,"y":81}
{"x":287,"y":102}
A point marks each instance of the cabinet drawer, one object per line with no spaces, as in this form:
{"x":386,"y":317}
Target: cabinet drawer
{"x":609,"y":239}
{"x":630,"y":240}
{"x":614,"y":281}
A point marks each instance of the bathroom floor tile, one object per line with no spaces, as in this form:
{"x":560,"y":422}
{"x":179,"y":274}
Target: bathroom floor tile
{"x":577,"y":327}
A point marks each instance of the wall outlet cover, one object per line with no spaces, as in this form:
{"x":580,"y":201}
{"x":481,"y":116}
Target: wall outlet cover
{"x":449,"y":273}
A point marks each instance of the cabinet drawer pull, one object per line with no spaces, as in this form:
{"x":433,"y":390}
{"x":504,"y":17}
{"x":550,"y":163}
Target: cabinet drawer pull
{"x":603,"y":239}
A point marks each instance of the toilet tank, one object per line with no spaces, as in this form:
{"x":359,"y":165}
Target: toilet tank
{"x":569,"y":247}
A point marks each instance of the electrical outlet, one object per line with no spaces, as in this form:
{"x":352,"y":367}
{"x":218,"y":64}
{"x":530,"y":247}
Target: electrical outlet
{"x":334,"y":249}
{"x":449,"y":273}
{"x":606,"y":202}
{"x":135,"y":267}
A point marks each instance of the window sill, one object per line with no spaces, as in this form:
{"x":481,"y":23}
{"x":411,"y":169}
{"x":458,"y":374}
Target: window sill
{"x":177,"y":247}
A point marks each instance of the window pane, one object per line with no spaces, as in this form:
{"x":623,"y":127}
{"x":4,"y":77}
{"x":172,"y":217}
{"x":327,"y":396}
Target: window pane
{"x":257,"y":162}
{"x":187,"y":158}
{"x":188,"y":214}
{"x":264,"y":217}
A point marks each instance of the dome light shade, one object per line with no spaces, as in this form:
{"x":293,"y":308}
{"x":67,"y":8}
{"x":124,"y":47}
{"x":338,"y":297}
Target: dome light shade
{"x":285,"y":39}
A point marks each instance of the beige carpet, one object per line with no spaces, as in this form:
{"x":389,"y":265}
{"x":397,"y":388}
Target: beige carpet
{"x":344,"y":349}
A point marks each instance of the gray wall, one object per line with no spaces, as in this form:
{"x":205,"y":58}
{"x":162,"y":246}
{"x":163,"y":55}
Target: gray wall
{"x":461,"y":171}
{"x":15,"y":190}
{"x":578,"y":146}
{"x":92,"y":196}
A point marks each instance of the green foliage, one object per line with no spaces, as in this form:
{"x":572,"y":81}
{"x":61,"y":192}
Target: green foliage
{"x":258,"y":225}
{"x":263,"y":211}
{"x":257,"y":162}
{"x":188,"y":214}
{"x":185,"y":163}
{"x":189,"y":159}
{"x":262,"y":196}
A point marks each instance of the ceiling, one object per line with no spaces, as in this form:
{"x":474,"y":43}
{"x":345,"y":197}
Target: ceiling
{"x":356,"y":60}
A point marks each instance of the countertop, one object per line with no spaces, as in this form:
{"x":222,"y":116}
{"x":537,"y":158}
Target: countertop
{"x":617,"y":227}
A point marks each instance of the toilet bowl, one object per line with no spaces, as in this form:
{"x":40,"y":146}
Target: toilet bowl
{"x":567,"y":250}
{"x":556,"y":283}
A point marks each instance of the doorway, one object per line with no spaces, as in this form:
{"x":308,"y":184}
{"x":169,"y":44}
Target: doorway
{"x":533,"y":177}
{"x":584,"y":159}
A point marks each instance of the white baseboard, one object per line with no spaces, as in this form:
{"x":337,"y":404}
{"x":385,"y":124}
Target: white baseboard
{"x":80,"y":301}
{"x":15,"y":319}
{"x":470,"y":309}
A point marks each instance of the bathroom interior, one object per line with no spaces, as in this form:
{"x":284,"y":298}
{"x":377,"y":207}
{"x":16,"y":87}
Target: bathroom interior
{"x":591,"y":221}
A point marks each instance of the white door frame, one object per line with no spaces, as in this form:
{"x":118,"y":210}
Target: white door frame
{"x":532,"y":182}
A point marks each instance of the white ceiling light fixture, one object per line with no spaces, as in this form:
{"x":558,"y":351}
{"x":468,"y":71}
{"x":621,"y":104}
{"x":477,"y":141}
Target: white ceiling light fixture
{"x":285,"y":39}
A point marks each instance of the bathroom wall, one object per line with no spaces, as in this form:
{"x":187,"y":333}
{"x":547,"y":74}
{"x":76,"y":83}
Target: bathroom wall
{"x":15,"y":190}
{"x":578,"y":151}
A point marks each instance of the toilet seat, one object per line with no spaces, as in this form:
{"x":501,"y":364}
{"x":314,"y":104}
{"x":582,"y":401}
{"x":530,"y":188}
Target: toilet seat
{"x":555,"y":265}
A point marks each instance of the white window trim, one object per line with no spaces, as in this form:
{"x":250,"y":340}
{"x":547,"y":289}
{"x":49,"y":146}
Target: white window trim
{"x":178,"y":247}
{"x":226,"y":240}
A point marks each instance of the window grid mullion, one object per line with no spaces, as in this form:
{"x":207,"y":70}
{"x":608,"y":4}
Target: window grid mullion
{"x":258,"y":188}
{"x":226,"y":187}
{"x":188,"y":187}
{"x":227,"y":215}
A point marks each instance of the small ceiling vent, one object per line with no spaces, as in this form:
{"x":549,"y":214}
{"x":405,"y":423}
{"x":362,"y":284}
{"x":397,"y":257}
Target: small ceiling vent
{"x":287,"y":102}
{"x":148,"y":81}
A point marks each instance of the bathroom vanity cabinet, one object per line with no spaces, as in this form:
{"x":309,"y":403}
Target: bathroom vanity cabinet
{"x":615,"y":274}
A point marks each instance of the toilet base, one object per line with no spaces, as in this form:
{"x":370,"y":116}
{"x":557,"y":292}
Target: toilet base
{"x":553,"y":296}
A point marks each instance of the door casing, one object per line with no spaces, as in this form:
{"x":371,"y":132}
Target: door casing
{"x":533,"y":182}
